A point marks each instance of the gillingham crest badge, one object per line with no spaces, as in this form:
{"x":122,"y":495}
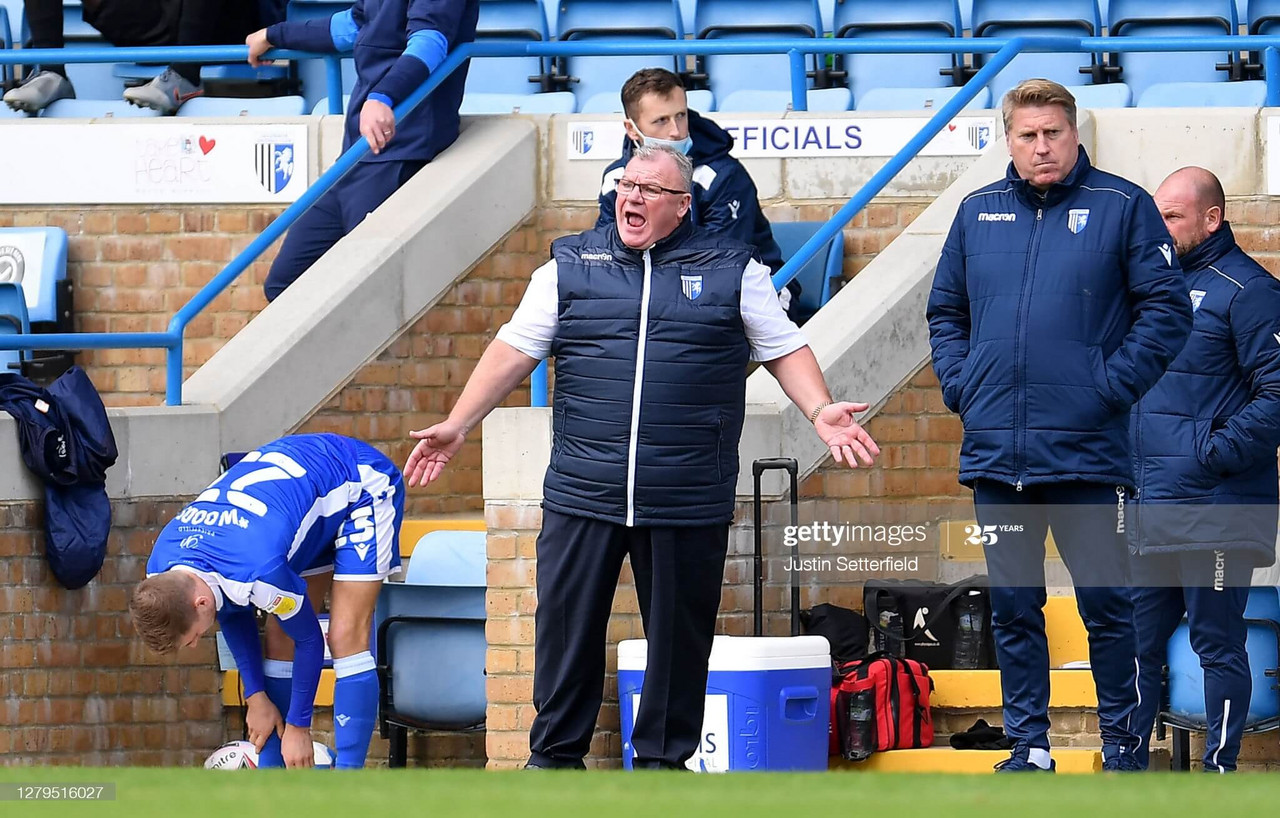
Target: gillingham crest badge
{"x":979,"y":136}
{"x":273,"y":162}
{"x":691,"y":286}
{"x":1196,"y":297}
{"x":583,"y":139}
{"x":1077,"y":219}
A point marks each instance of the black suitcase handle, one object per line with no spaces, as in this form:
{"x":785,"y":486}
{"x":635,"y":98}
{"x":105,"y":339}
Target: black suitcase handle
{"x":758,"y":468}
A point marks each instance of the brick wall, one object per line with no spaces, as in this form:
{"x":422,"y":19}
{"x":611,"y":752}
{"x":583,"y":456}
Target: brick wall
{"x":75,"y":686}
{"x":132,"y":269}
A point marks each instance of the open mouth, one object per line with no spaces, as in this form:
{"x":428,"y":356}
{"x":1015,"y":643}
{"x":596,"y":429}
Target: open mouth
{"x":634,"y":219}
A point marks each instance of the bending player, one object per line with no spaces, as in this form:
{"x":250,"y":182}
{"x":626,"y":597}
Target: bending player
{"x":321,"y":506}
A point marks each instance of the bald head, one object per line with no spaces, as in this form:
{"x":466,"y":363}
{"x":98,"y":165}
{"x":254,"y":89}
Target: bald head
{"x":1193,"y":206}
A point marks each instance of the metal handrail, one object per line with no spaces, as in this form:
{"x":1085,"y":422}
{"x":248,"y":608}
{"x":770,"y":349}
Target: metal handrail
{"x":1004,"y":50}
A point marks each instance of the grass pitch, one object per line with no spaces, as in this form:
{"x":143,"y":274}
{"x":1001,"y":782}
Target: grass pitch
{"x":520,"y":794}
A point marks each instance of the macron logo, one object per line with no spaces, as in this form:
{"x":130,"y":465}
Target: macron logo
{"x":1277,"y":337}
{"x":595,"y":256}
{"x":997,"y":217}
{"x":1167,"y":252}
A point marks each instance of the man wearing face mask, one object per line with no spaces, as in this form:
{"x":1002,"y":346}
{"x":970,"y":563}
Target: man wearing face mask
{"x":725,"y":200}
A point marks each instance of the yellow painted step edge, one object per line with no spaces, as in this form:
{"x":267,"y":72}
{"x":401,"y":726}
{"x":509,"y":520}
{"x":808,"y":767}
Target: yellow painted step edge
{"x":233,"y":694}
{"x":947,"y":760}
{"x":413,"y":530}
{"x":973,"y":689}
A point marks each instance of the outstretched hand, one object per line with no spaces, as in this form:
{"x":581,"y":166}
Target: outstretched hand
{"x":843,"y":436}
{"x":436,"y":447}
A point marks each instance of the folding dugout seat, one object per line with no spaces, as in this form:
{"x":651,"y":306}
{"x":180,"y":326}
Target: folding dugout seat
{"x":13,"y":321}
{"x":597,"y":81}
{"x":1247,"y":94}
{"x":430,"y":640}
{"x":916,"y":74}
{"x":96,"y":109}
{"x":1013,"y":18}
{"x":34,"y":260}
{"x":727,"y":74}
{"x":234,"y":106}
{"x":1173,"y":18}
{"x":313,"y":73}
{"x":917,"y":99}
{"x":817,"y":276}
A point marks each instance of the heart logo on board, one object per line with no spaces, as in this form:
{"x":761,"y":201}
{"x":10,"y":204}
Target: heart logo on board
{"x":207,"y":145}
{"x":949,"y":128}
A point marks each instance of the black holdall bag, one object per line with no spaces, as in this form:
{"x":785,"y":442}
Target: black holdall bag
{"x":947,"y":627}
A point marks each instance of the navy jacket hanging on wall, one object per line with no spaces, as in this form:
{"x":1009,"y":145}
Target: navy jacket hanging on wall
{"x":67,"y":442}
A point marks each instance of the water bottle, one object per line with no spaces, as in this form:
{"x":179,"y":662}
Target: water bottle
{"x":968,"y":654}
{"x":860,"y":737}
{"x":889,"y":637}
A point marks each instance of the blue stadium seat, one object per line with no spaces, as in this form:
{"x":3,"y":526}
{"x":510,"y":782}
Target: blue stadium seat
{"x":756,"y":101}
{"x":312,"y":73}
{"x":40,"y":266}
{"x":321,"y":108}
{"x":13,"y":321}
{"x":1263,"y":16}
{"x":234,"y":106}
{"x":877,"y":20}
{"x":917,"y":99}
{"x":1185,"y":682}
{"x":13,"y":12}
{"x":816,"y":276}
{"x":596,"y":81}
{"x":95,"y":109}
{"x":1248,"y":94}
{"x":1172,"y":18}
{"x":521,"y":20}
{"x":752,"y":19}
{"x":1013,"y":18}
{"x":1106,"y":95}
{"x":6,"y":41}
{"x":553,"y":102}
{"x":91,"y":81}
{"x":700,"y":100}
{"x":431,"y":642}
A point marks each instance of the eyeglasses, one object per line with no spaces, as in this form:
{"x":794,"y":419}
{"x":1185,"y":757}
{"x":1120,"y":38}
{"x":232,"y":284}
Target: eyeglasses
{"x":650,"y":192}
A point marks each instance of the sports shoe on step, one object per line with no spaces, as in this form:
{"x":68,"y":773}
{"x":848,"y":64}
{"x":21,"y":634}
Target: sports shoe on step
{"x":165,"y":93}
{"x":39,"y":90}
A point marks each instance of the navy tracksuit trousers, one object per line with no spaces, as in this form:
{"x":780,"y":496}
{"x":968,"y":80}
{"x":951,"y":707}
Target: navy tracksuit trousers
{"x":337,"y":213}
{"x":678,"y":574}
{"x":1084,"y":521}
{"x":1165,"y":587}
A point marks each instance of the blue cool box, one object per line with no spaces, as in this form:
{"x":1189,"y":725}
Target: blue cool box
{"x":768,"y":703}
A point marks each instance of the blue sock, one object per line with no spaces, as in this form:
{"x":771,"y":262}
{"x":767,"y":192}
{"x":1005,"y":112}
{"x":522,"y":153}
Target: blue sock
{"x":355,"y":708}
{"x":279,"y":687}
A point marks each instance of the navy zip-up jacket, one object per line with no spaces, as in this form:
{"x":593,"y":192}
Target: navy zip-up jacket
{"x":725,"y":200}
{"x":1050,"y":316}
{"x":1207,"y":433}
{"x":396,"y":44}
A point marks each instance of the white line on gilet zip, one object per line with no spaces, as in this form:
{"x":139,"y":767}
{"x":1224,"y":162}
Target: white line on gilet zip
{"x":635,"y":393}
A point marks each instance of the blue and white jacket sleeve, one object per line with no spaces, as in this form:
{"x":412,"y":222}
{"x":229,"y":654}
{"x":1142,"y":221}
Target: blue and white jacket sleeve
{"x":948,"y":314}
{"x":1251,"y":436}
{"x":431,"y":24}
{"x":334,"y":35}
{"x":281,"y":592}
{"x":240,"y":629}
{"x":1159,"y":303}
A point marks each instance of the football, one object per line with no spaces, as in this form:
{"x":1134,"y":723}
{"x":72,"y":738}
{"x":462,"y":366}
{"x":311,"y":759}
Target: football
{"x":240,"y":755}
{"x":234,"y":755}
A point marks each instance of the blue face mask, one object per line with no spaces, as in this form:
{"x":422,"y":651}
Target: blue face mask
{"x":682,"y":145}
